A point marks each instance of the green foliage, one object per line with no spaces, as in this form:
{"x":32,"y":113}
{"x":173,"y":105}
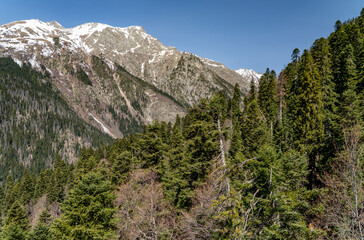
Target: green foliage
{"x":56,"y":41}
{"x":42,"y":230}
{"x":83,"y":77}
{"x":88,"y":211}
{"x":33,"y":115}
{"x":267,"y":96}
{"x":271,"y":184}
{"x":269,"y":199}
{"x":253,"y":128}
{"x":15,"y":224}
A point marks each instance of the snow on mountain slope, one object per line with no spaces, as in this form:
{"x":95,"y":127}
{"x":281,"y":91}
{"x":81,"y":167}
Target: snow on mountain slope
{"x":140,"y":53}
{"x":250,"y":74}
{"x":66,"y":52}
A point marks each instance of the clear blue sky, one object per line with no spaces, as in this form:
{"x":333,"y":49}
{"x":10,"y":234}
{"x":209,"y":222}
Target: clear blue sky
{"x":252,"y":34}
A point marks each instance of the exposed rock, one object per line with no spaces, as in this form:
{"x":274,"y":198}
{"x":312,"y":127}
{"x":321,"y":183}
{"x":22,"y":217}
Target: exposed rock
{"x":116,"y":78}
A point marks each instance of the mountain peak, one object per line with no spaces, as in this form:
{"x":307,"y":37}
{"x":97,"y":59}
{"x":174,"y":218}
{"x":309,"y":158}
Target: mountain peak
{"x":249,"y":74}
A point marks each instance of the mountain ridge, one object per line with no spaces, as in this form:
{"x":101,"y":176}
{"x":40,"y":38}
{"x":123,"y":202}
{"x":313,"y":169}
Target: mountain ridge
{"x":67,"y":54}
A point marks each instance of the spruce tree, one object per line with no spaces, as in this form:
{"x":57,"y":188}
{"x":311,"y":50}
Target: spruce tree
{"x":253,"y":128}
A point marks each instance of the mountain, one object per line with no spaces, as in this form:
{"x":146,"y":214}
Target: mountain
{"x":112,"y":80}
{"x":182,"y":75}
{"x":249,"y":75}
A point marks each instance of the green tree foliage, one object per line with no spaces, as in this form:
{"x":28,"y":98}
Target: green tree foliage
{"x":35,"y":118}
{"x":269,"y":199}
{"x":268,"y":97}
{"x":306,"y":111}
{"x":16,"y":223}
{"x":88,"y":211}
{"x":253,"y":127}
{"x":42,"y":230}
{"x":302,"y":176}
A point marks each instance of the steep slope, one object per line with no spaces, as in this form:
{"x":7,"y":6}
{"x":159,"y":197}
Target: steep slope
{"x":101,"y":92}
{"x":36,"y":122}
{"x":68,"y":55}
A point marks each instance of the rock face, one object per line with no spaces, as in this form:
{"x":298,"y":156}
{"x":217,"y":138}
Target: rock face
{"x":117,"y":78}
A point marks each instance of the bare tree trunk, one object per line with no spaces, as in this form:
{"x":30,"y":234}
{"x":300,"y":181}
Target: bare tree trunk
{"x":352,"y":142}
{"x":280,"y":106}
{"x":222,"y":153}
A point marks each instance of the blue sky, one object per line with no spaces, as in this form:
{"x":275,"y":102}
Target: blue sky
{"x":253,"y":34}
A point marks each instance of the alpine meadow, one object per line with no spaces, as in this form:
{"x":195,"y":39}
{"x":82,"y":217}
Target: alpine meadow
{"x":107,"y":133}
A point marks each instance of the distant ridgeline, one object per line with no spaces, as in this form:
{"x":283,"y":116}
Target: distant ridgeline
{"x":285,"y":162}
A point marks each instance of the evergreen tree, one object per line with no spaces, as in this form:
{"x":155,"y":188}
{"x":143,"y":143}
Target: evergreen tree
{"x":42,"y":229}
{"x":236,"y":102}
{"x":16,"y":223}
{"x":88,"y":211}
{"x":253,"y":128}
{"x":42,"y":182}
{"x":267,"y":97}
{"x":121,"y":166}
{"x":322,"y":57}
{"x":27,"y":188}
{"x":151,"y":145}
{"x":349,"y":104}
{"x":306,"y":111}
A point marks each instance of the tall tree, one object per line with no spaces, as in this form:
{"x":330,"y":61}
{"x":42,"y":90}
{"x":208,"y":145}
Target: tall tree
{"x":268,"y":97}
{"x":322,"y":57}
{"x":306,"y":112}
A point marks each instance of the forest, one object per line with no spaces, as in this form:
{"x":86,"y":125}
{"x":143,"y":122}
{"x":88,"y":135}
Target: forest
{"x":283,"y":162}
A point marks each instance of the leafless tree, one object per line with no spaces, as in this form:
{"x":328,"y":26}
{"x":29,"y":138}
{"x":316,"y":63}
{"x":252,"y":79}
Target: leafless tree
{"x":345,"y":198}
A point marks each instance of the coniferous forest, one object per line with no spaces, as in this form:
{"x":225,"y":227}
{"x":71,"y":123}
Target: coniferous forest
{"x":286,"y":161}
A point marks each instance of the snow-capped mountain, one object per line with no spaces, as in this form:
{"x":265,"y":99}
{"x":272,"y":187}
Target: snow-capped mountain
{"x":250,"y":75}
{"x":97,"y":67}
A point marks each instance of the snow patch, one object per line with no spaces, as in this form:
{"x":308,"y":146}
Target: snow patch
{"x":20,"y":63}
{"x":34,"y":63}
{"x":249,"y":73}
{"x":106,"y":130}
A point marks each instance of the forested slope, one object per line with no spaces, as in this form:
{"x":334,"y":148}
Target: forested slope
{"x":36,"y":122}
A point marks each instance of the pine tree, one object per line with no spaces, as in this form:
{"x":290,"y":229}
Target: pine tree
{"x":121,"y":166}
{"x":236,"y":102}
{"x":42,"y":183}
{"x":151,"y":145}
{"x":349,"y":104}
{"x":27,"y":188}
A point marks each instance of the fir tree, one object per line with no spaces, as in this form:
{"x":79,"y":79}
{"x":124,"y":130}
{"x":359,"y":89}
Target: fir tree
{"x":306,"y":111}
{"x":42,"y":229}
{"x":267,"y":97}
{"x":16,"y":223}
{"x":88,"y":211}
